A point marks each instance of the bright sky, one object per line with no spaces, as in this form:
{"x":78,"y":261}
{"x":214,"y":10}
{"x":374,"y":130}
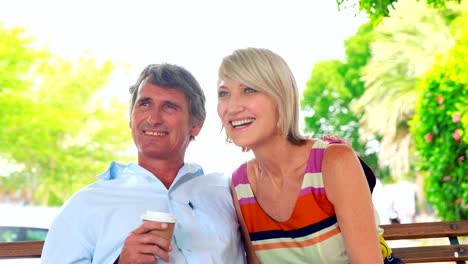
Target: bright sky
{"x":195,"y":34}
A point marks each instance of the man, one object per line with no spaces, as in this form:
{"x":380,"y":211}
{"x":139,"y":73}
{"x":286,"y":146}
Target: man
{"x":101,"y":223}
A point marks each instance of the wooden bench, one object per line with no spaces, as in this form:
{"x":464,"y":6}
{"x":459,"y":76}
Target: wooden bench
{"x":452,"y":251}
{"x":26,"y":249}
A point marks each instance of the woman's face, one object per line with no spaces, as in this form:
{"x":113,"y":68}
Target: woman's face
{"x":250,"y":117}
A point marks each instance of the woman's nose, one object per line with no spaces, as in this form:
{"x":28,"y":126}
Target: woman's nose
{"x":235,"y":104}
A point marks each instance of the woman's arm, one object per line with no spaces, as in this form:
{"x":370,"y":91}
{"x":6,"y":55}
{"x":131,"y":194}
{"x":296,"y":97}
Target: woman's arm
{"x":346,"y":188}
{"x":251,"y":257}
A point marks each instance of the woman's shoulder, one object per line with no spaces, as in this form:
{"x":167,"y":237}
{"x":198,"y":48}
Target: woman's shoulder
{"x":340,"y":163}
{"x":239,"y":175}
{"x":338,"y":151}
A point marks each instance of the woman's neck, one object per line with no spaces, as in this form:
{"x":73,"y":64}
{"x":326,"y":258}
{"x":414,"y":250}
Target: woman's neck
{"x":279,"y":158}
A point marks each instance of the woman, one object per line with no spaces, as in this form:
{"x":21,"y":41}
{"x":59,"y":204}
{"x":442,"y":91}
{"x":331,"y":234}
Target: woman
{"x":299,"y":200}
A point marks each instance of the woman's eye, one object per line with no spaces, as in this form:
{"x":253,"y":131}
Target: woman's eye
{"x":249,"y":90}
{"x":222,"y":93}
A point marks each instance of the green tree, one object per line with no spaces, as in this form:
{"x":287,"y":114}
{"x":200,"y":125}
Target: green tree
{"x":333,"y":85}
{"x":440,"y":127}
{"x":56,"y":135}
{"x":405,"y":46}
{"x":378,"y":9}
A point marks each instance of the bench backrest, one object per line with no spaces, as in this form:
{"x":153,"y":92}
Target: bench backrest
{"x":24,"y":249}
{"x":453,"y":251}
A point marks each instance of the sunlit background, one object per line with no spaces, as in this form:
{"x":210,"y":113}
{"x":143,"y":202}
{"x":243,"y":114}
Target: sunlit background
{"x":395,"y":87}
{"x":193,"y":34}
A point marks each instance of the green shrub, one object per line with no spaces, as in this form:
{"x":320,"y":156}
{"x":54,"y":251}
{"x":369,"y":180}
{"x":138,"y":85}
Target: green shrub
{"x":440,"y":131}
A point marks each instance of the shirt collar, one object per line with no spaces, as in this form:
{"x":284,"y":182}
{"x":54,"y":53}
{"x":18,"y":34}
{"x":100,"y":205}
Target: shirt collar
{"x":117,"y":170}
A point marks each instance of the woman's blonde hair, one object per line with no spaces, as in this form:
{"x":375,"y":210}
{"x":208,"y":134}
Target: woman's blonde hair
{"x":268,"y":73}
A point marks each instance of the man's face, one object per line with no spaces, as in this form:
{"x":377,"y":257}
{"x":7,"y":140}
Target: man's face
{"x":160,"y":123}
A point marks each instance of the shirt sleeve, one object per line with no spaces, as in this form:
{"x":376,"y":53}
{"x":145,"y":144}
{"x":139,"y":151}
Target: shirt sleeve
{"x":65,"y":241}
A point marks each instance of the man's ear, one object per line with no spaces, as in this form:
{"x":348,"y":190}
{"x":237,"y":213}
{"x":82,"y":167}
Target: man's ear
{"x":196,"y":128}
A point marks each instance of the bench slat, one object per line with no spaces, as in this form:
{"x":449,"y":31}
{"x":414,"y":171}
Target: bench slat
{"x":33,"y":249}
{"x":432,"y":253}
{"x":425,"y":230}
{"x":26,"y":249}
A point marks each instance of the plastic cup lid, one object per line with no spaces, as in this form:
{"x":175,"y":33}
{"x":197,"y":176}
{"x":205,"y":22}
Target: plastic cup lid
{"x":158,"y":216}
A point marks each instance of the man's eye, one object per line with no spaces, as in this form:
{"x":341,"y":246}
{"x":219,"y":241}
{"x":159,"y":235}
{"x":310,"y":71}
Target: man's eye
{"x":171,"y":106}
{"x":249,"y":90}
{"x":222,"y":93}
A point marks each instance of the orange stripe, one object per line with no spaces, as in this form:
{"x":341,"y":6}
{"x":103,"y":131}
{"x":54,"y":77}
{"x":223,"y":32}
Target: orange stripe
{"x":257,"y":220}
{"x":296,"y":244}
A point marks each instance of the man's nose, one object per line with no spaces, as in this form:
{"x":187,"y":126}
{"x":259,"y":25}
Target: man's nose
{"x":154,"y":117}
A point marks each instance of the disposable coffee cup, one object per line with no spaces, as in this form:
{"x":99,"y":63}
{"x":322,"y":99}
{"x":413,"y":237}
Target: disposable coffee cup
{"x":164,"y":218}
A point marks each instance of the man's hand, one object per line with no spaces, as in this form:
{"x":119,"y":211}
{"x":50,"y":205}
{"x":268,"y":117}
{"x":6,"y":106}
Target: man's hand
{"x":334,"y":138}
{"x":337,"y":139}
{"x":143,"y":247}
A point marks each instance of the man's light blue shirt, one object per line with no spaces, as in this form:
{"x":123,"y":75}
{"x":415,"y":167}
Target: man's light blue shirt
{"x":94,"y":222}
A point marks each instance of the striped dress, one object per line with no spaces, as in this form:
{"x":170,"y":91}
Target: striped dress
{"x":311,"y":235}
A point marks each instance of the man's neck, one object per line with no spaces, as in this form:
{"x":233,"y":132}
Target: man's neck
{"x":165,"y":170}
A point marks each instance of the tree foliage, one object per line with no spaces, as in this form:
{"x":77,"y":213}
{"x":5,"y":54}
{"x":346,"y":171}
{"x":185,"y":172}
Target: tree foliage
{"x":333,"y":85}
{"x":378,"y":9}
{"x":416,"y":85}
{"x":56,"y":135}
{"x":440,"y":127}
{"x":404,"y":48}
